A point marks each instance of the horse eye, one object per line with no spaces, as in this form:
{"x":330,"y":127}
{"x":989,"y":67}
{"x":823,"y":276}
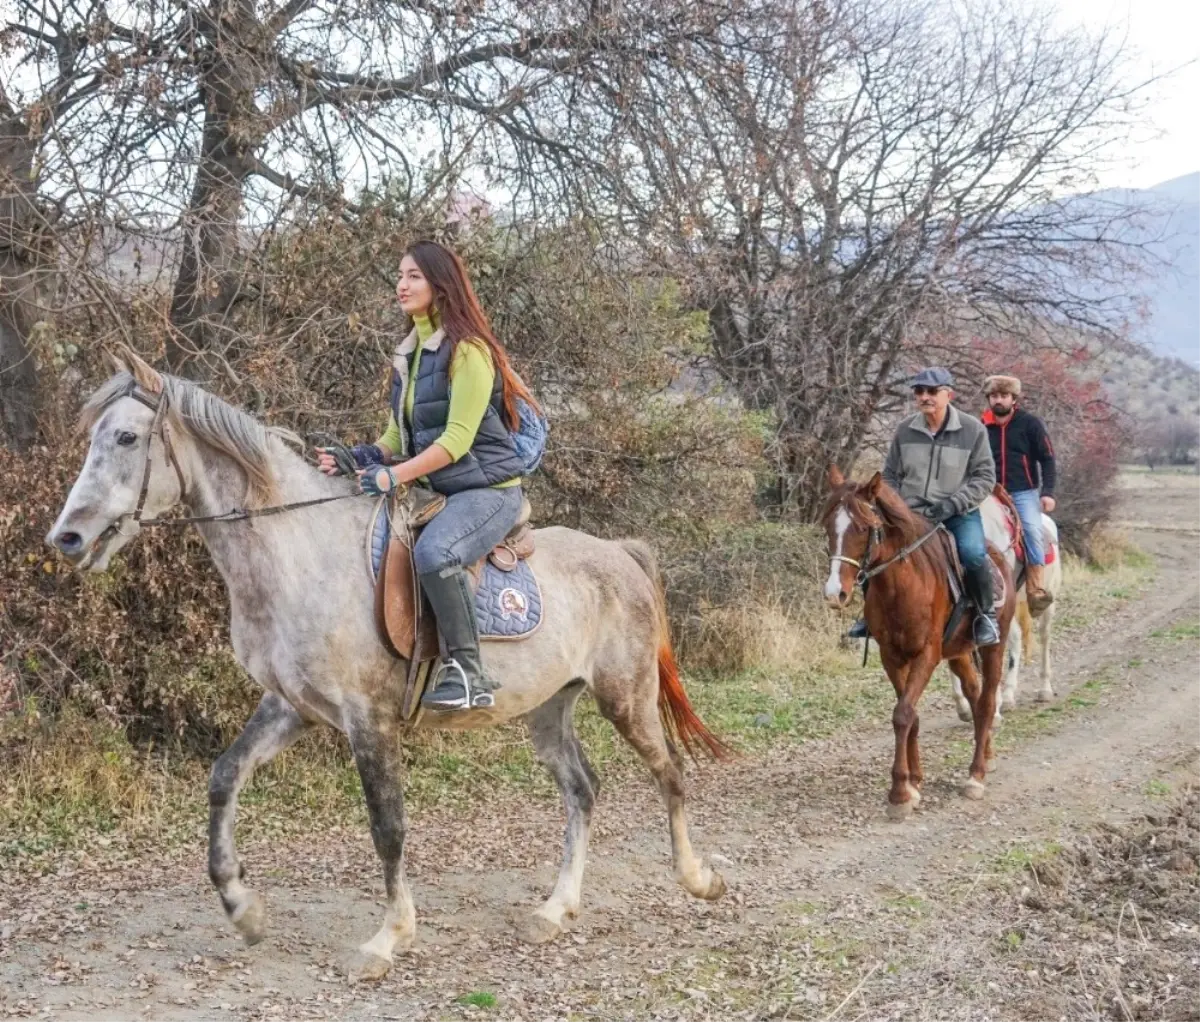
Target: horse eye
{"x":126,"y":439}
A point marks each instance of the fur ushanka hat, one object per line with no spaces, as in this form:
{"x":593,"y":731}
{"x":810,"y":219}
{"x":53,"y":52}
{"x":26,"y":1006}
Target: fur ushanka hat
{"x":1002,"y":385}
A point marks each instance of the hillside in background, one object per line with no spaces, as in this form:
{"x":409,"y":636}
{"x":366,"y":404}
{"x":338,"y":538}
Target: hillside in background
{"x":1159,"y":398}
{"x":1169,"y":227}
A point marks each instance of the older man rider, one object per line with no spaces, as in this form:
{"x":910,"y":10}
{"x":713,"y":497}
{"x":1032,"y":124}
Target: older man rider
{"x":940,"y":463}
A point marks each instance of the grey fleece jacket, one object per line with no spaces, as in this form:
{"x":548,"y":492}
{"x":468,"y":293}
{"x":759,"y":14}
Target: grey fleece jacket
{"x":955,"y":465}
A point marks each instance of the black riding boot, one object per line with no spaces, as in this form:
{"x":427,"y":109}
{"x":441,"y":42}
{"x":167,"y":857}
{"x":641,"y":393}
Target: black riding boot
{"x":859,"y":629}
{"x":978,"y":582}
{"x":460,"y":683}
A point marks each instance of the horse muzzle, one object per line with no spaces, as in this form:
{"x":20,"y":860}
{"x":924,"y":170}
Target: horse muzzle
{"x":838,"y":600}
{"x":88,"y":554}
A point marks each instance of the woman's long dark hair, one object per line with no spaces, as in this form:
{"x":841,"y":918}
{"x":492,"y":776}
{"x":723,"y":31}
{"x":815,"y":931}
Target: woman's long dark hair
{"x":463,"y":319}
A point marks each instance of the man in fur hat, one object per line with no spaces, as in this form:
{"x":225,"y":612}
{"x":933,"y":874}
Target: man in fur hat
{"x":1024,"y":458}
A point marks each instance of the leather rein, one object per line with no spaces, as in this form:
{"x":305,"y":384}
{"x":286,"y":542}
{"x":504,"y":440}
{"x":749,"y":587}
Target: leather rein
{"x":159,"y":427}
{"x":869,"y":571}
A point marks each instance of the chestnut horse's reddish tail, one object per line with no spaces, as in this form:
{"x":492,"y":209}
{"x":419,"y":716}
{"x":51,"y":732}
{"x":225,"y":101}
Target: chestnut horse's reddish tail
{"x":681,"y":723}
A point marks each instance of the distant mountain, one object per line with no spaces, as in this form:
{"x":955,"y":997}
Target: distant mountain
{"x":1169,"y":226}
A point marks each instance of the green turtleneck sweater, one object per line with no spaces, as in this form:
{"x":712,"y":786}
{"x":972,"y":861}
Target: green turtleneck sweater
{"x":472,"y":375}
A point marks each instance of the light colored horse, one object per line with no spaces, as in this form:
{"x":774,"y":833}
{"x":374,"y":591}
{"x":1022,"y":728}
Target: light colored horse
{"x":1020,"y":640}
{"x":996,"y":530}
{"x":302,"y":626}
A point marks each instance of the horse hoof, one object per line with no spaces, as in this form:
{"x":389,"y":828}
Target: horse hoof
{"x":1046,"y":695}
{"x":914,"y":796}
{"x":1008,"y":703}
{"x":897,"y":811}
{"x":367,"y":967}
{"x":964,"y":714}
{"x":536,"y":929}
{"x":716,"y":887}
{"x":250,"y":918}
{"x":973,"y":790}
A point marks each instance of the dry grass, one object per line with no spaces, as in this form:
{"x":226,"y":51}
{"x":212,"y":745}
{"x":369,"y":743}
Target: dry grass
{"x":1111,"y":551}
{"x":769,"y":633}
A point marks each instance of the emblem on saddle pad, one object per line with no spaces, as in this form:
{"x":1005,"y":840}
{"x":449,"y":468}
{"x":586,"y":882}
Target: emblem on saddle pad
{"x":513,"y":603}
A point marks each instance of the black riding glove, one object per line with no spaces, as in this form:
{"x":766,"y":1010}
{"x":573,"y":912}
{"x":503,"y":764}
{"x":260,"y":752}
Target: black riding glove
{"x":350,"y":459}
{"x":940,"y":510}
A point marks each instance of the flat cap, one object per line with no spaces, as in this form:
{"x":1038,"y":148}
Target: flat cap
{"x":934,"y":376}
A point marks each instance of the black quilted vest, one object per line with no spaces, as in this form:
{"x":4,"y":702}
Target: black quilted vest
{"x":492,"y":458}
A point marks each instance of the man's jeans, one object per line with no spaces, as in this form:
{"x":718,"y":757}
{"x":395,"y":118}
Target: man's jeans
{"x":968,"y":537}
{"x":1029,"y":507}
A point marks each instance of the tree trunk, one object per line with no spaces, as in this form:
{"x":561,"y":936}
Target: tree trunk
{"x":208,"y":282}
{"x":20,"y":395}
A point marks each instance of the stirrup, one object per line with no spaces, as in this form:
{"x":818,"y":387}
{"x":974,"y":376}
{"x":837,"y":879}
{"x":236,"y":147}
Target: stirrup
{"x":986,"y":624}
{"x":463,"y":699}
{"x":858,"y":630}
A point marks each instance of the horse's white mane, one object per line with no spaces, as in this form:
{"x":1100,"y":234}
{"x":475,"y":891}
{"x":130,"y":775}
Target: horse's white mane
{"x":194,"y":411}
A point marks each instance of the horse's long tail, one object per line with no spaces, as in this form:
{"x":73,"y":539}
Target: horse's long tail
{"x":681,"y":723}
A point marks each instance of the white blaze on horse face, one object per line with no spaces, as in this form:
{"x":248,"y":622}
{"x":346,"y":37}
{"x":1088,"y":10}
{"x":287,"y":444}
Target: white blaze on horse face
{"x":833,"y":584}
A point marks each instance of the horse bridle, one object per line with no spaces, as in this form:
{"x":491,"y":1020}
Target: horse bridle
{"x":159,"y":428}
{"x":869,"y":571}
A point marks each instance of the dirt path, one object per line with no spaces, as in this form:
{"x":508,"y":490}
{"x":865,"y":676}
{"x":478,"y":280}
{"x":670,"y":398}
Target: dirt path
{"x":827,"y":898}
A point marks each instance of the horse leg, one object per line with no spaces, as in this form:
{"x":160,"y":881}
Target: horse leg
{"x":916,"y":776}
{"x":1014,"y":655}
{"x":1024,"y":621}
{"x":963,"y":707}
{"x":376,"y":751}
{"x":633,"y":710}
{"x":273,"y":727}
{"x":552,"y":728}
{"x":1046,"y":692}
{"x":983,"y":705}
{"x":909,"y":682}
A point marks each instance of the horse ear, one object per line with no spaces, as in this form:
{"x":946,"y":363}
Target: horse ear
{"x":146,"y":376}
{"x":115,"y":361}
{"x":835,"y":477}
{"x":871,"y":487}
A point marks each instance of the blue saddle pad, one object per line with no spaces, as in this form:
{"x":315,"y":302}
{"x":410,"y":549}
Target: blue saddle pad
{"x":508,"y":604}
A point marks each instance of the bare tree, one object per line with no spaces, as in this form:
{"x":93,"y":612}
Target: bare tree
{"x":18,"y":273}
{"x":194,"y":128}
{"x":32,"y":103}
{"x":842,"y":182}
{"x":1171,"y":439}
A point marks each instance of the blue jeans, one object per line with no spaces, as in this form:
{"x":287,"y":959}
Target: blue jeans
{"x":967,"y":531}
{"x":1029,"y":507}
{"x":471,"y":523}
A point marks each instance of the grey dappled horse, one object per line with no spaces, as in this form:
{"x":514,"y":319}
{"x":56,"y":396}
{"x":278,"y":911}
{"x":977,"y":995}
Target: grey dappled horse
{"x":303,"y":627}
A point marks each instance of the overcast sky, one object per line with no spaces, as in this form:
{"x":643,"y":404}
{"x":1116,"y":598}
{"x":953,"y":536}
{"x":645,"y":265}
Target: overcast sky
{"x":1162,"y":35}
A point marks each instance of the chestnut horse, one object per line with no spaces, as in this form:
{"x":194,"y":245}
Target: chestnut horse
{"x":908,"y":605}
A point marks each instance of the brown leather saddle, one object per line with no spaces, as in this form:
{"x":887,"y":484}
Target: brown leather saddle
{"x":402,"y":614}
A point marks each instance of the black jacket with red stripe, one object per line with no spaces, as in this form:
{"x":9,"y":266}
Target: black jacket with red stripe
{"x":1019,"y":443}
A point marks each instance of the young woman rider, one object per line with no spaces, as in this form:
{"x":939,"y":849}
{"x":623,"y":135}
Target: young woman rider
{"x":453,"y":412}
